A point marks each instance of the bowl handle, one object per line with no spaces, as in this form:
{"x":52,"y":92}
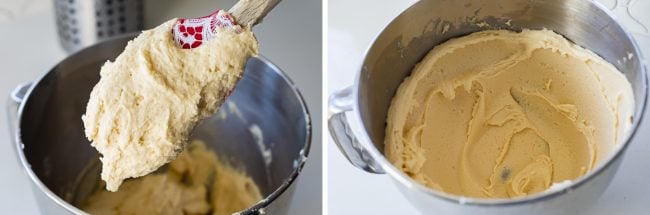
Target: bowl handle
{"x":15,"y":99}
{"x":340,"y":102}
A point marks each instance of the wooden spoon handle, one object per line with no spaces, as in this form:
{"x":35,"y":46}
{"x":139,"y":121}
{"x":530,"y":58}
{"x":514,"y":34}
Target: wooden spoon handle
{"x":251,"y":12}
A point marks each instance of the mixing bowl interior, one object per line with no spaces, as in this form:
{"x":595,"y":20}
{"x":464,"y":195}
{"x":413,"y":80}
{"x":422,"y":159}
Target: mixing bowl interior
{"x":410,"y":36}
{"x":264,"y":100}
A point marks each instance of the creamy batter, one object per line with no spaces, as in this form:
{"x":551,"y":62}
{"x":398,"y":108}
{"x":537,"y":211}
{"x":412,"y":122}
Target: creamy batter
{"x":148,"y":100}
{"x":195,"y":183}
{"x":500,"y":114}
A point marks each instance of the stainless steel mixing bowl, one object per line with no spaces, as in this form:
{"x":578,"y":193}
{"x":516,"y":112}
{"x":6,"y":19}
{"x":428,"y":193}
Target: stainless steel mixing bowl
{"x":406,"y":40}
{"x":52,"y":149}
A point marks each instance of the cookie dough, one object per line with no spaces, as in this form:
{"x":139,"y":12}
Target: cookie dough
{"x":197,"y":182}
{"x":148,"y":100}
{"x":500,"y":114}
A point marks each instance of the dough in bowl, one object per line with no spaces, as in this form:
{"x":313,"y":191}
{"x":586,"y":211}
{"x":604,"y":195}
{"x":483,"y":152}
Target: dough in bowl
{"x":502,"y":114}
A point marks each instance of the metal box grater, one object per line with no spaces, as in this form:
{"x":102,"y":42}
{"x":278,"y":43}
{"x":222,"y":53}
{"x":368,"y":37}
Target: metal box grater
{"x":81,"y":23}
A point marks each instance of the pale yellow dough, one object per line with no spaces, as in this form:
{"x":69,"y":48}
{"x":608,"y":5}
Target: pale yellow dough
{"x":197,"y":182}
{"x":500,"y":114}
{"x":148,"y":100}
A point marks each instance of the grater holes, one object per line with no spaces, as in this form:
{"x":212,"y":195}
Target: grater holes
{"x":112,"y":18}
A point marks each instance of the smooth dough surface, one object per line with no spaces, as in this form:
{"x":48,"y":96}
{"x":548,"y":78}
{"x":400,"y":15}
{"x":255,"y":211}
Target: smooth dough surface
{"x":501,"y":114}
{"x":197,"y":182}
{"x":149,"y":99}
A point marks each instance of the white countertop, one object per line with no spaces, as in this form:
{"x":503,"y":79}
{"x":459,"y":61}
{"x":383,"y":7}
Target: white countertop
{"x":290,"y":37}
{"x":353,"y":191}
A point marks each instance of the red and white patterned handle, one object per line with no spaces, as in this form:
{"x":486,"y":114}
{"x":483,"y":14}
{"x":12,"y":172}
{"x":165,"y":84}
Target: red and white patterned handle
{"x":191,"y":33}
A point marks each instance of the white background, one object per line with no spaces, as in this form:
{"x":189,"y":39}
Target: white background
{"x":352,"y":27}
{"x":290,"y":37}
